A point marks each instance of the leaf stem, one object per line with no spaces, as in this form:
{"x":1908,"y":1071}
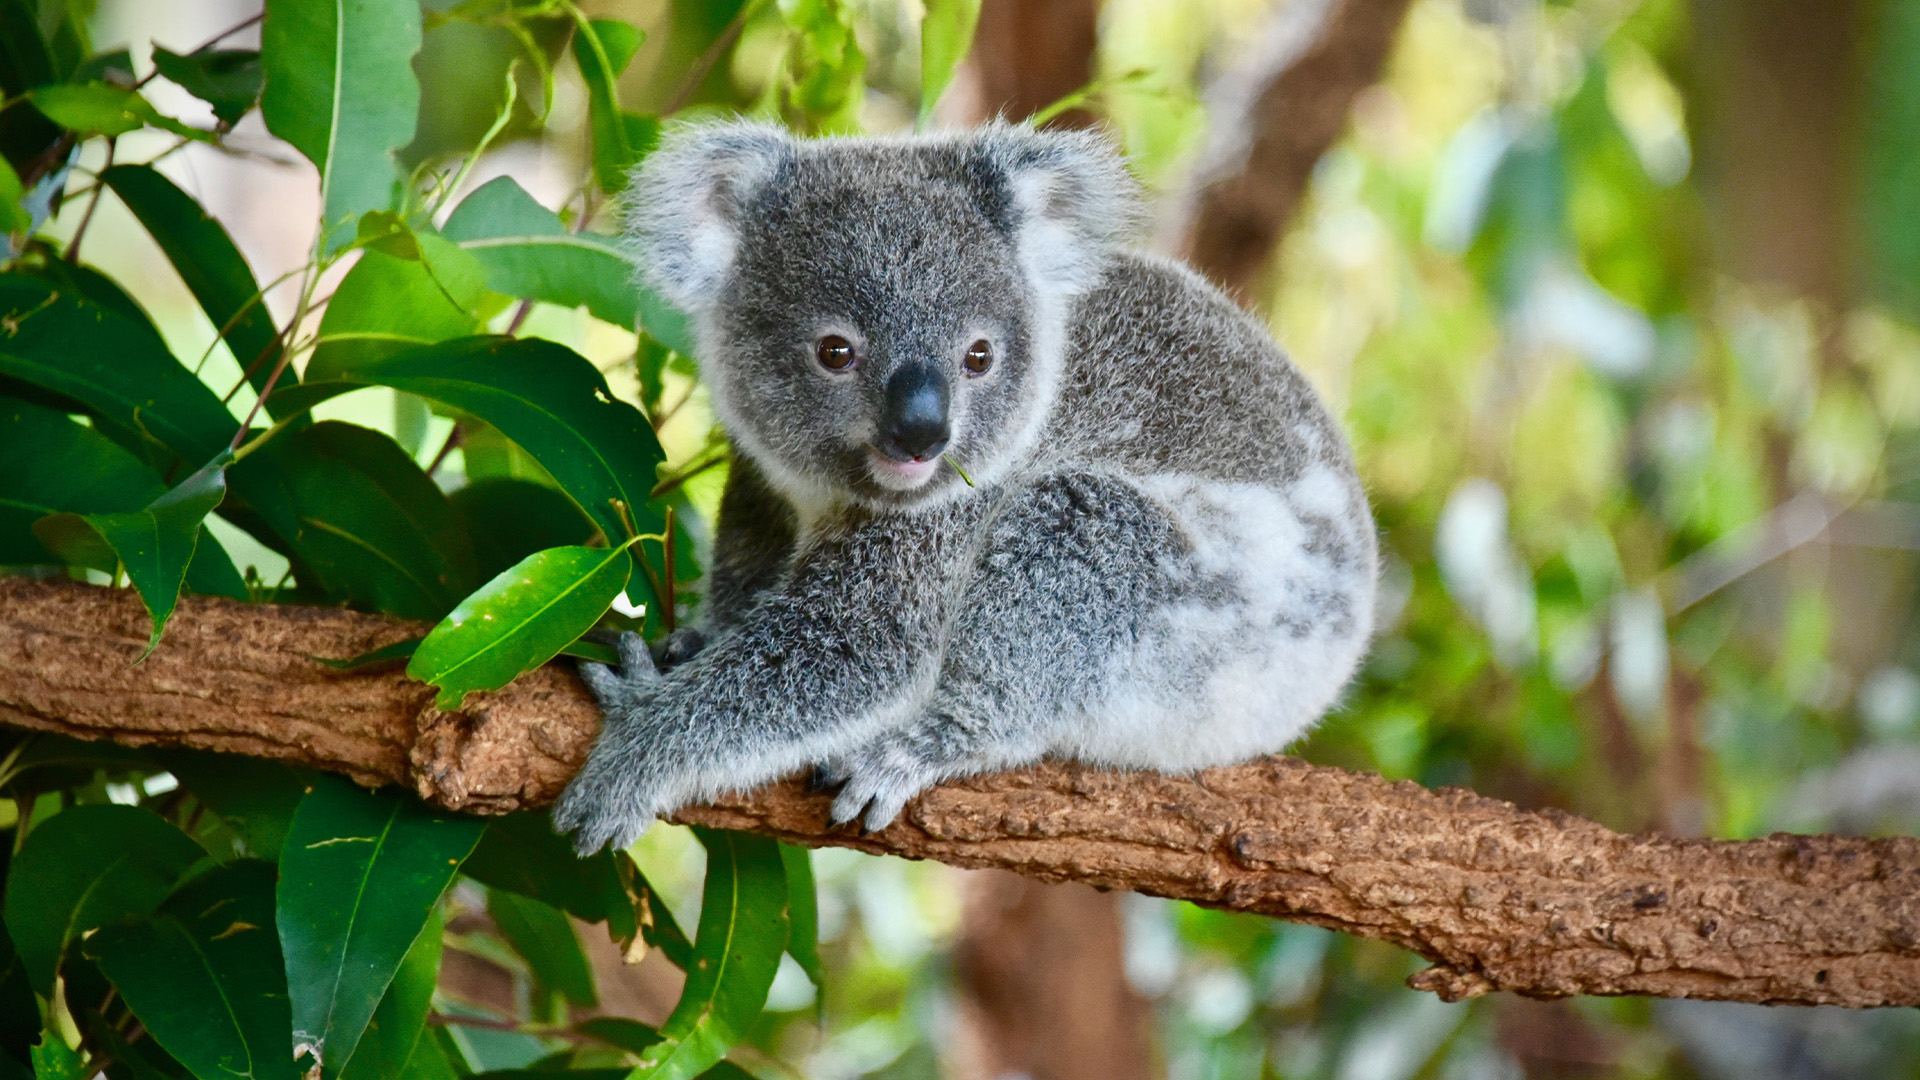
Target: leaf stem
{"x":86,"y":219}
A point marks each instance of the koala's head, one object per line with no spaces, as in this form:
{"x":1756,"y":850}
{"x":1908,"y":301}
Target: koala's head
{"x":868,"y":309}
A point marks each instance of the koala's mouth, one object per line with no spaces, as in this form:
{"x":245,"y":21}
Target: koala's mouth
{"x":900,"y":475}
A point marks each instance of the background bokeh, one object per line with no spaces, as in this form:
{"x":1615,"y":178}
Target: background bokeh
{"x":1620,"y":302}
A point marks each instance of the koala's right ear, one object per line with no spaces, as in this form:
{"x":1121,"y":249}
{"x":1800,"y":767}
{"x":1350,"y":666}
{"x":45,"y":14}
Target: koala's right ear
{"x":688,"y":198}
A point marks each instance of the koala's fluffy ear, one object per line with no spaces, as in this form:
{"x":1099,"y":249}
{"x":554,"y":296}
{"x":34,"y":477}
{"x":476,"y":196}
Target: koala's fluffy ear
{"x":1064,"y":197}
{"x":688,"y":198}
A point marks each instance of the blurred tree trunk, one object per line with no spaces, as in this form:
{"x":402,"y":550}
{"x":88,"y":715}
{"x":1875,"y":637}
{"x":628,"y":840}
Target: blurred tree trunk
{"x":1272,"y":119}
{"x":1028,"y":54}
{"x":1046,"y":995}
{"x":1779,"y":82}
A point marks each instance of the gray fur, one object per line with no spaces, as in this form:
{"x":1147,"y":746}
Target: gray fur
{"x":1166,"y":562}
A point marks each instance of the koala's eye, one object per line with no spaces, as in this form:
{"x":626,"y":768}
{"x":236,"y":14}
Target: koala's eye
{"x":979,"y":357}
{"x":834,"y":352}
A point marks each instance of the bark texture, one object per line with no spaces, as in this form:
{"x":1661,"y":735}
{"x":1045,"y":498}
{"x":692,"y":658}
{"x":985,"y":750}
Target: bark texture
{"x":1273,"y":117}
{"x":1497,"y":898}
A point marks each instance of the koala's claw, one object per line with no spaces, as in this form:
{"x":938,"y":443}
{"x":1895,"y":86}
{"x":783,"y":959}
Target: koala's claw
{"x":827,"y":776}
{"x":875,"y":794}
{"x":681,"y":646}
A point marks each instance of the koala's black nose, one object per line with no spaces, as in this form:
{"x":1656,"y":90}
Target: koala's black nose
{"x":913,"y":423}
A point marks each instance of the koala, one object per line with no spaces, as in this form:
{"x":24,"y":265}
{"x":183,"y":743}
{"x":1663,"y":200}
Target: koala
{"x":1004,"y":487}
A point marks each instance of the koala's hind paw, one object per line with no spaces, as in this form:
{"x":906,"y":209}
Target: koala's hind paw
{"x":880,"y":787}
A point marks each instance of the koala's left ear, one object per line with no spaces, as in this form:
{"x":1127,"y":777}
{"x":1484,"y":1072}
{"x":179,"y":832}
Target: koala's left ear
{"x":1063,"y":197}
{"x":688,"y":198}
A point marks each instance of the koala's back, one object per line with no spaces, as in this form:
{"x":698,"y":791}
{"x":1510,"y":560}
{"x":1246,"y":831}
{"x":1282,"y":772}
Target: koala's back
{"x":1165,"y":374}
{"x":1260,"y":597}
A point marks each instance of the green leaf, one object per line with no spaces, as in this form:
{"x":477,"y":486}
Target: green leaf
{"x":113,"y":366}
{"x":603,"y":48}
{"x":946,"y":33}
{"x":14,"y":218}
{"x":519,"y":620}
{"x":50,"y":463}
{"x":803,"y":940}
{"x":99,"y":109}
{"x":829,"y":70}
{"x":743,"y":931}
{"x":510,"y":519}
{"x":521,"y":853}
{"x":528,"y":253}
{"x":362,"y":517}
{"x":212,"y":267}
{"x":401,"y":1018}
{"x":358,"y":874}
{"x":387,"y":304}
{"x":203,"y":974}
{"x":227,"y":79}
{"x":340,"y":87}
{"x":84,"y":867}
{"x":53,"y":1059}
{"x":544,"y":937}
{"x":155,"y":544}
{"x":25,"y":61}
{"x":255,"y":797}
{"x":553,"y":403}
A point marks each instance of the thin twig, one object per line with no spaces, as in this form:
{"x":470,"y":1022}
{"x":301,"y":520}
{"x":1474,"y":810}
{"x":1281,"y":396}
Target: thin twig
{"x":690,"y":85}
{"x":86,"y":219}
{"x":454,"y":439}
{"x":666,"y":548}
{"x":208,"y":44}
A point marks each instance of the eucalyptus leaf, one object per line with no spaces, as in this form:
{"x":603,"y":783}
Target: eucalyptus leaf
{"x":510,"y":519}
{"x":529,"y":254}
{"x":368,"y":524}
{"x":519,"y":620}
{"x":155,"y":545}
{"x":212,"y":267}
{"x":84,"y":867}
{"x":803,"y":904}
{"x":554,"y":404}
{"x":401,"y":1017}
{"x":358,"y":874}
{"x":113,"y":366}
{"x":743,"y":932}
{"x":227,"y":79}
{"x":203,"y":974}
{"x":100,"y":109}
{"x":946,"y":33}
{"x":340,"y":87}
{"x":544,"y":937}
{"x":48,"y":464}
{"x":397,"y":296}
{"x":603,"y":48}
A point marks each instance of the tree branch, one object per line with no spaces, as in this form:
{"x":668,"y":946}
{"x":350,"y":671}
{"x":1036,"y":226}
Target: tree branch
{"x":1273,"y":117}
{"x":1544,"y":904}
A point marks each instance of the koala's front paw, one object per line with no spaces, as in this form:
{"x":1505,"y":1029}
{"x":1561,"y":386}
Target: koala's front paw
{"x":613,"y":798}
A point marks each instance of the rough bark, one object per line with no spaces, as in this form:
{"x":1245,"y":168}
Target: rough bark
{"x":1498,"y":898}
{"x":1273,"y":117}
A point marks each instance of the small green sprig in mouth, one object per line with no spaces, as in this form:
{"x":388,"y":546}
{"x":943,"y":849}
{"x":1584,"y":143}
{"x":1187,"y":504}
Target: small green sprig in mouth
{"x":955,"y":462}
